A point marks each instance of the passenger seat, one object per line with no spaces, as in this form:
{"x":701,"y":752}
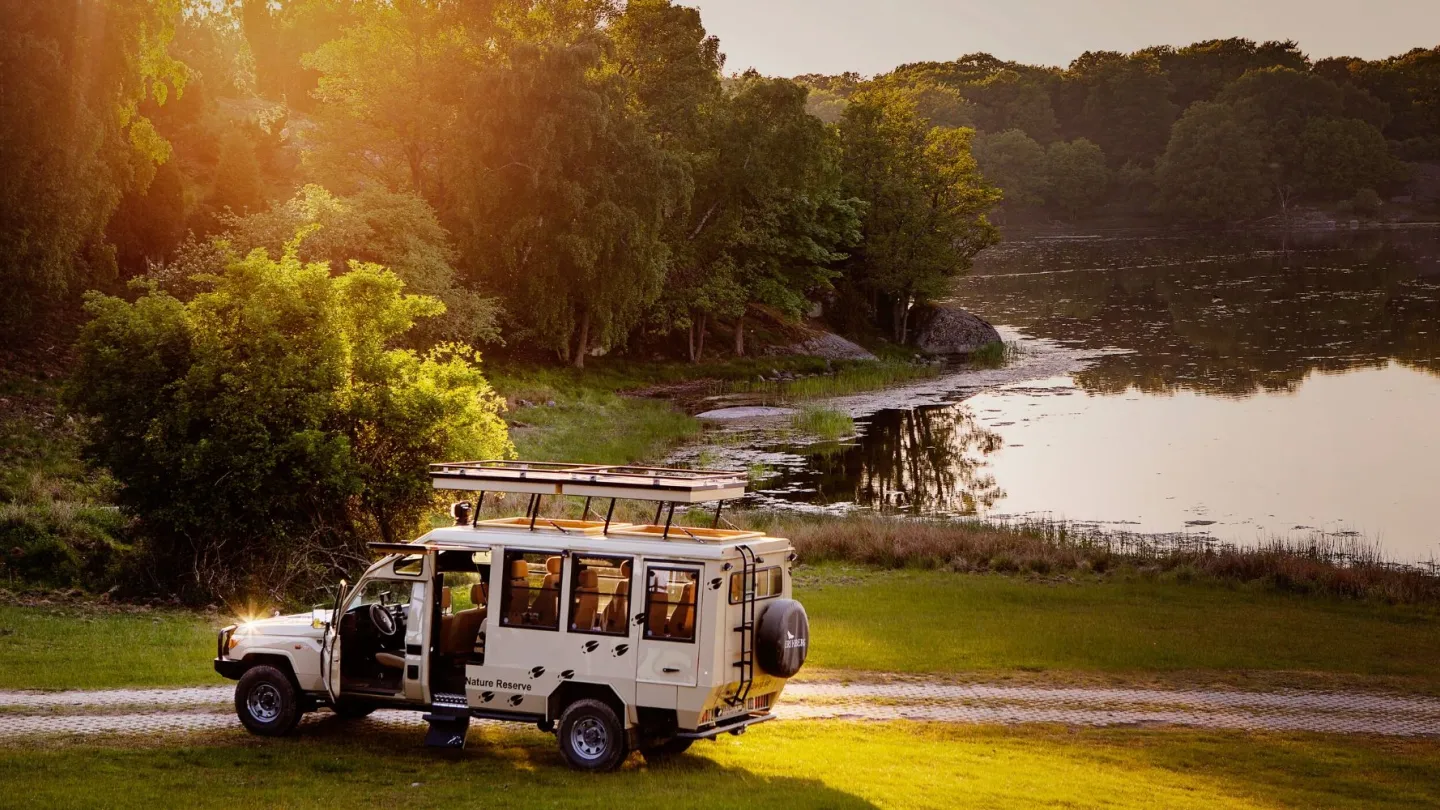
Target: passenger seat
{"x":587,"y":600}
{"x":617,"y":613}
{"x":547,"y":604}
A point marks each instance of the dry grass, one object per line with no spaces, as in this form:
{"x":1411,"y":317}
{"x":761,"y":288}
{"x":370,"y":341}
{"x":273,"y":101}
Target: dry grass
{"x":1324,"y":564}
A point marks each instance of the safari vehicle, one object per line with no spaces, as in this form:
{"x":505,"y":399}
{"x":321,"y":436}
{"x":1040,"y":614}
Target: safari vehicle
{"x":616,"y":636}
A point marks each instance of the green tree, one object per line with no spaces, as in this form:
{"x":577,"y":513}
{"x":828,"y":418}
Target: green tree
{"x":72,"y":137}
{"x":1127,"y":110}
{"x":1015,"y":163}
{"x":238,"y":185}
{"x":1076,"y":175}
{"x":1340,"y":156}
{"x":1214,"y":168}
{"x":926,"y":204}
{"x":264,"y":430}
{"x":565,"y":196}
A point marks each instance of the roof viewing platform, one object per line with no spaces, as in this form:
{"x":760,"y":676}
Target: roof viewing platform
{"x":590,"y":480}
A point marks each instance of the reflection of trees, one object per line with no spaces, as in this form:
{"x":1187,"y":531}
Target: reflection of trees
{"x":1227,"y":315}
{"x":924,"y":461}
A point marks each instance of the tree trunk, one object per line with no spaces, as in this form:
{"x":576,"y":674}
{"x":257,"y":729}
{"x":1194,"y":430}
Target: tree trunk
{"x":740,"y":335}
{"x":583,"y":344}
{"x":700,"y":339}
{"x":691,"y":345}
{"x":904,"y":320}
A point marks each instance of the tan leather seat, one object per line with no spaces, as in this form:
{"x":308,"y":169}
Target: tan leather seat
{"x":547,"y":602}
{"x":587,"y":600}
{"x":657,"y":607}
{"x":457,"y":636}
{"x":391,"y":660}
{"x":519,"y":595}
{"x":617,"y":613}
{"x":682,"y":621}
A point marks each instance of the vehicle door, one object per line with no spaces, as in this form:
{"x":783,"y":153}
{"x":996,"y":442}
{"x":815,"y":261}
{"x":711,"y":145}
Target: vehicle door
{"x":598,"y":621}
{"x":669,"y":624}
{"x":390,"y":659}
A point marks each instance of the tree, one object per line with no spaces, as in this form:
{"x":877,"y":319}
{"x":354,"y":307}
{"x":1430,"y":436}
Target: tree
{"x":1198,"y":72}
{"x":1214,"y":168}
{"x":926,"y":204}
{"x":238,"y":184}
{"x":1340,"y":156}
{"x":1127,"y":110}
{"x":564,"y":196}
{"x":72,"y":138}
{"x":1076,"y":175}
{"x":1015,"y":163}
{"x":263,"y":430}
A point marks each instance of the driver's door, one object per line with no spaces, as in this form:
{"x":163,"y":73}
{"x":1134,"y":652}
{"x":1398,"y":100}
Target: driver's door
{"x":376,"y":634}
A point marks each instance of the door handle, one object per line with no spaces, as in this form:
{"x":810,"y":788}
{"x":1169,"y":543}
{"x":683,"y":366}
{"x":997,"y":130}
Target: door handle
{"x":670,"y":669}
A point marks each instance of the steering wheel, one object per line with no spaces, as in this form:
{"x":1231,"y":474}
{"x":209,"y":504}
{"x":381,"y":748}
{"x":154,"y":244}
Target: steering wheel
{"x":381,"y":618}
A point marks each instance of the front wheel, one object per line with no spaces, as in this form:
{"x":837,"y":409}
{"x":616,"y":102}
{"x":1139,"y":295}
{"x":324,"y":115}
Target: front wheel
{"x":591,"y":736}
{"x":266,"y":702}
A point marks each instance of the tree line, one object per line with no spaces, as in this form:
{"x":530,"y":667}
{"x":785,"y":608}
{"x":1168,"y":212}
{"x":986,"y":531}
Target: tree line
{"x":1217,"y":131}
{"x":569,"y":175}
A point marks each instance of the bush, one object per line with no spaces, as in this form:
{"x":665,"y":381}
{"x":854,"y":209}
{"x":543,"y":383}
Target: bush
{"x":1367,"y":202}
{"x":263,"y":431}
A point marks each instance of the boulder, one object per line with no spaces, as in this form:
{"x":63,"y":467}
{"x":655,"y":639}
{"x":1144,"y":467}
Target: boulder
{"x":829,"y":346}
{"x":948,"y":329}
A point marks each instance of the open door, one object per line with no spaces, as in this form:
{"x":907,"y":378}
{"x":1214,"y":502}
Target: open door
{"x":330,"y":648}
{"x":669,"y":653}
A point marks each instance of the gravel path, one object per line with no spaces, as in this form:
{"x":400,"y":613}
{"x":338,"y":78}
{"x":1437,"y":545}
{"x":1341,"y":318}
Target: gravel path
{"x":143,"y":711}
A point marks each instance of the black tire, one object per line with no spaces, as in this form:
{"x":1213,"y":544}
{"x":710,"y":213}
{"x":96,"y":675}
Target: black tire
{"x":350,"y":710}
{"x":657,"y":751}
{"x":591,"y":736}
{"x":266,"y":701}
{"x":782,"y":638}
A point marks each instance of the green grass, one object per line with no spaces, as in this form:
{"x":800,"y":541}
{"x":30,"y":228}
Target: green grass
{"x":848,"y":378}
{"x":941,"y":622}
{"x":994,"y":354}
{"x":69,"y":648}
{"x":826,"y":424}
{"x":944,"y":623}
{"x":783,"y":765}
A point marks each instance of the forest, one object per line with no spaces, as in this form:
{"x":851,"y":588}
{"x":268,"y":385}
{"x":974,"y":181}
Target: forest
{"x":1213,"y":132}
{"x":272,"y":237}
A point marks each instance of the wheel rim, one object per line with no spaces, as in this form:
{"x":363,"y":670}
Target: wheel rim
{"x":589,"y":738}
{"x":264,"y":703}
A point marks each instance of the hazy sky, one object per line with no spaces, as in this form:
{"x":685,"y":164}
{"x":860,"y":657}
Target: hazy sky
{"x":787,"y":37}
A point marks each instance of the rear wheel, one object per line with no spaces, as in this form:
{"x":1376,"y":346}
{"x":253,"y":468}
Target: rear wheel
{"x":666,"y":749}
{"x":266,"y":702}
{"x":591,"y":737}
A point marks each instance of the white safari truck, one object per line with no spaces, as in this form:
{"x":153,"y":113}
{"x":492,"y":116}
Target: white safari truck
{"x":616,"y":636}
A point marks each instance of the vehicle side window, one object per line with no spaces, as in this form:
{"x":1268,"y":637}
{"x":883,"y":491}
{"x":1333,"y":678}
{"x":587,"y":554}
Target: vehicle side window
{"x":670,"y":600}
{"x":600,"y":596}
{"x":769,"y":582}
{"x":410,"y":566}
{"x":384,"y":591}
{"x":531,"y":590}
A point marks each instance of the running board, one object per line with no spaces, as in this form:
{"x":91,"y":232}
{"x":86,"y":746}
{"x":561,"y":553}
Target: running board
{"x":449,"y":720}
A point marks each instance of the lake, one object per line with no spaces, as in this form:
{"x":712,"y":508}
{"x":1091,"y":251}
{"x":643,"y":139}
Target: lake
{"x":1237,"y":387}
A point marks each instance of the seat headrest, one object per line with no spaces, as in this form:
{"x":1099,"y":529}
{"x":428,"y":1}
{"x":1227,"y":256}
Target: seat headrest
{"x":552,"y":565}
{"x":444,"y":598}
{"x":519,"y":569}
{"x":625,"y":569}
{"x":478,"y":596}
{"x":622,"y":588}
{"x":687,"y":593}
{"x":590,"y":579}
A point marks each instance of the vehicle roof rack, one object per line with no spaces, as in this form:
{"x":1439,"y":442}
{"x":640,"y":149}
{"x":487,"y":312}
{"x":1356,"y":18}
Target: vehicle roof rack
{"x":663,"y":484}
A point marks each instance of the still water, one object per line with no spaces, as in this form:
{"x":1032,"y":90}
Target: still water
{"x":1242,"y":388}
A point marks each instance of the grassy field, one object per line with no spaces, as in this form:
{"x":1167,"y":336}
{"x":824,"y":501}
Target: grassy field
{"x":789,"y":765}
{"x":984,"y":626}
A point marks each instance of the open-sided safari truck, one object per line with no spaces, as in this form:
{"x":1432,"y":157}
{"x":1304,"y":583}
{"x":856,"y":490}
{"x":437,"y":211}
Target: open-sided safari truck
{"x":616,"y":636}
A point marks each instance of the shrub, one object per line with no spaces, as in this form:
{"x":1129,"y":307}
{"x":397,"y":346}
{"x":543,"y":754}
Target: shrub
{"x":264,"y":430}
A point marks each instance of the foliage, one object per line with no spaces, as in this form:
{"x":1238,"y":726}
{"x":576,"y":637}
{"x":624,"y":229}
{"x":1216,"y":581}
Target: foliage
{"x":1127,"y":110}
{"x":72,"y":138}
{"x":926,"y":203}
{"x":1015,"y":163}
{"x":263,"y":429}
{"x":1339,"y":156}
{"x":1075,"y":174}
{"x":1214,"y":169}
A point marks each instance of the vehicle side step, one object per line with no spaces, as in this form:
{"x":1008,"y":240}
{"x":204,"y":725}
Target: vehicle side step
{"x":449,"y":720}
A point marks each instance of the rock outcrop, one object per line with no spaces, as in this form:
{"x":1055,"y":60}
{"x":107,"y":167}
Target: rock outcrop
{"x":948,"y":330}
{"x":827,"y":345}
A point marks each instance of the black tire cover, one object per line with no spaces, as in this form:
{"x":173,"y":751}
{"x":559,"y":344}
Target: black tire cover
{"x":782,"y":638}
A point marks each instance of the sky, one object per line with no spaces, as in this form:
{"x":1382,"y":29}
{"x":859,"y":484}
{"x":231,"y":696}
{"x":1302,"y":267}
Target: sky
{"x":790,"y":37}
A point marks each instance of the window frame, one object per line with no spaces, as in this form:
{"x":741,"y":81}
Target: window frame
{"x":420,"y":558}
{"x":505,"y":597}
{"x":679,"y":568}
{"x":780,"y":589}
{"x":575,"y":586}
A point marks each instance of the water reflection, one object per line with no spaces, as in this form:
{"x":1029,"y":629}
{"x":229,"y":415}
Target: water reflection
{"x":924,"y":461}
{"x":1232,"y":316}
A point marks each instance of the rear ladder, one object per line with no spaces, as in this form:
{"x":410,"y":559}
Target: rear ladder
{"x":747,"y":626}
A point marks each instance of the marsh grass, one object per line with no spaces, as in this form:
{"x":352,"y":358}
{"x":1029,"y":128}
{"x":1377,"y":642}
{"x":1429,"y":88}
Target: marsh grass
{"x":1338,"y":565}
{"x":995,"y":354}
{"x":846,"y":378}
{"x":826,"y":424}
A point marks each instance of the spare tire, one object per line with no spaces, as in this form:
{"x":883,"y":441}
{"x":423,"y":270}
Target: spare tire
{"x":782,"y":638}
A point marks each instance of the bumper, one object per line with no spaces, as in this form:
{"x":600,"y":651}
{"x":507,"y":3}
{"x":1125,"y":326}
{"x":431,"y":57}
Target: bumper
{"x":733,"y":725}
{"x":229,"y":668}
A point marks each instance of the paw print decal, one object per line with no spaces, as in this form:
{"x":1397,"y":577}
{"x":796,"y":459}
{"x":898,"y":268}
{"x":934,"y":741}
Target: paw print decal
{"x":620,"y":650}
{"x":590,"y":646}
{"x":537,"y":672}
{"x":567,"y":674}
{"x":715,"y":584}
{"x":515,"y":699}
{"x":486,"y":697}
{"x":639,"y":619}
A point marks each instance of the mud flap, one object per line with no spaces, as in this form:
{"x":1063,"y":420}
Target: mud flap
{"x":448,"y":724}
